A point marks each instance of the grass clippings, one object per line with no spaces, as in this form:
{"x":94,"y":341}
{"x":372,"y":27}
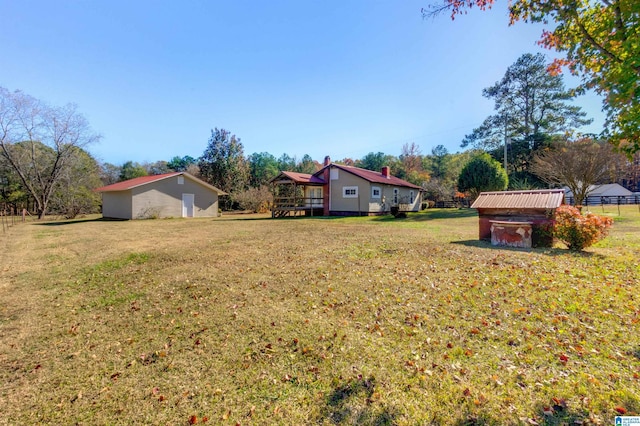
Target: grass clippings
{"x":314,"y":321}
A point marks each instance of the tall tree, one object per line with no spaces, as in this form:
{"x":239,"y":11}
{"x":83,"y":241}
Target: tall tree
{"x":600,"y":41}
{"x":12,"y":191}
{"x":74,"y":193}
{"x":374,"y":161}
{"x":482,"y":173}
{"x":39,"y":142}
{"x":286,"y":163}
{"x":157,"y":167}
{"x":131,"y":170}
{"x":109,"y":173}
{"x":528,"y":101}
{"x":262,"y":168}
{"x":223,"y":163}
{"x":306,"y":165}
{"x":578,"y":165}
{"x":438,"y":161}
{"x":181,"y":164}
{"x":411,"y":158}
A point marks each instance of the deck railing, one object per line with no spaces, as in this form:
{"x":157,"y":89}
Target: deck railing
{"x":283,"y":206}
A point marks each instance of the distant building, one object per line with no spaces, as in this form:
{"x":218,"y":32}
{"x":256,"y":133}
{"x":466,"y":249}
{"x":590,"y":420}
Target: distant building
{"x":608,"y":193}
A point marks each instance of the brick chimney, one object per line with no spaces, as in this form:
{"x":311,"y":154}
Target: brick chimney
{"x":327,"y":160}
{"x":385,"y":172}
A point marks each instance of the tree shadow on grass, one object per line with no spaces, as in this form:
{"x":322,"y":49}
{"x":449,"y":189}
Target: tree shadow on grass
{"x":352,"y":404}
{"x":430,"y":214}
{"x":549,"y":251}
{"x":78,"y":221}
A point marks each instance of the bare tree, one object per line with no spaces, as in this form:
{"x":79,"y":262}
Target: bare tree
{"x":411,"y":158}
{"x":40,"y":142}
{"x":578,"y":165}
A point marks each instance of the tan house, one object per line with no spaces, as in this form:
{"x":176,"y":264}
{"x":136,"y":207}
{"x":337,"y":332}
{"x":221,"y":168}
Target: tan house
{"x":339,"y":190}
{"x":177,"y":194}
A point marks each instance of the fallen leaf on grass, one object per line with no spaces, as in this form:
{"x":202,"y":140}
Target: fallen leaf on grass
{"x":193,"y":420}
{"x":621,"y":410}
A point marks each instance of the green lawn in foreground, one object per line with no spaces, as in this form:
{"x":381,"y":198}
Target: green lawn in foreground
{"x":314,"y":321}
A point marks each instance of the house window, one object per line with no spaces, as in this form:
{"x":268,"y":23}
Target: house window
{"x":334,"y":175}
{"x":411,"y":195}
{"x":396,"y":191}
{"x":349,"y":192}
{"x":375,"y":192}
{"x":180,"y":180}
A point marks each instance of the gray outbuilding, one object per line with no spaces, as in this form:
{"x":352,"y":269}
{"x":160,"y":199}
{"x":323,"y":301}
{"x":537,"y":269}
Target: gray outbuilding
{"x":176,"y":194}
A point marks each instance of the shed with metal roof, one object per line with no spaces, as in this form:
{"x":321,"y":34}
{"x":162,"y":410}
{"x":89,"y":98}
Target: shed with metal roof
{"x":531,"y":206}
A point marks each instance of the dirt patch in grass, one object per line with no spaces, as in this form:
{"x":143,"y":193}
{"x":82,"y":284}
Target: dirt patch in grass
{"x":314,"y":321}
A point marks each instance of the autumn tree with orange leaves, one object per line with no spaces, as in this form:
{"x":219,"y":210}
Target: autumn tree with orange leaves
{"x":601,"y":43}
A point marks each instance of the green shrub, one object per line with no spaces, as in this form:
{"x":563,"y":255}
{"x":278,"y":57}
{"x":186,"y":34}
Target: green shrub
{"x":578,"y":231}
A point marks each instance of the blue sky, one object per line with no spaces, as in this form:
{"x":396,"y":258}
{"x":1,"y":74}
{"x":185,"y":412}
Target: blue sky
{"x":339,"y":78}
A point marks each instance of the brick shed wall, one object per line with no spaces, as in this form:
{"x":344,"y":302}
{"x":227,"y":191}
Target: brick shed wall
{"x":537,"y":217}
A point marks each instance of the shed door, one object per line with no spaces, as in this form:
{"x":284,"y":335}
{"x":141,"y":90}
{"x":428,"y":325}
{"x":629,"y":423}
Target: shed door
{"x":187,"y":205}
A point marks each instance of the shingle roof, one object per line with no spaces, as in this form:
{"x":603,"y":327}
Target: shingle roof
{"x":144,"y":180}
{"x":534,"y":199}
{"x":371,"y":176}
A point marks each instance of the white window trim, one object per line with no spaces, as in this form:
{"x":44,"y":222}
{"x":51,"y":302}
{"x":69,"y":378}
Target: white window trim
{"x":373,"y":192}
{"x":180,"y":180}
{"x":349,"y":188}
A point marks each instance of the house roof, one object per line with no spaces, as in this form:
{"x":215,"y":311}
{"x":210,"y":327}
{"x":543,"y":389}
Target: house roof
{"x":301,"y":178}
{"x":371,"y":176}
{"x":534,"y":199}
{"x":145,"y":180}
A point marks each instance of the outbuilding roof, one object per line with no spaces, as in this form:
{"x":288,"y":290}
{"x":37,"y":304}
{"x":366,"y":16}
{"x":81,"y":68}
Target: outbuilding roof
{"x":530,"y":199}
{"x":145,"y":180}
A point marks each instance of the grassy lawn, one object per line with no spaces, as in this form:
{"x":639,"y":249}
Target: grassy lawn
{"x":248,"y":320}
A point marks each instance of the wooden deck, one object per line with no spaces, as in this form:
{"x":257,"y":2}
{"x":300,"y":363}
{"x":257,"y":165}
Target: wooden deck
{"x":297,"y":206}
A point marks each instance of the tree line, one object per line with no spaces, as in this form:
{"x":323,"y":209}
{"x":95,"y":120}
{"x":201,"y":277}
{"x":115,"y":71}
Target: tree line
{"x":530,"y":141}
